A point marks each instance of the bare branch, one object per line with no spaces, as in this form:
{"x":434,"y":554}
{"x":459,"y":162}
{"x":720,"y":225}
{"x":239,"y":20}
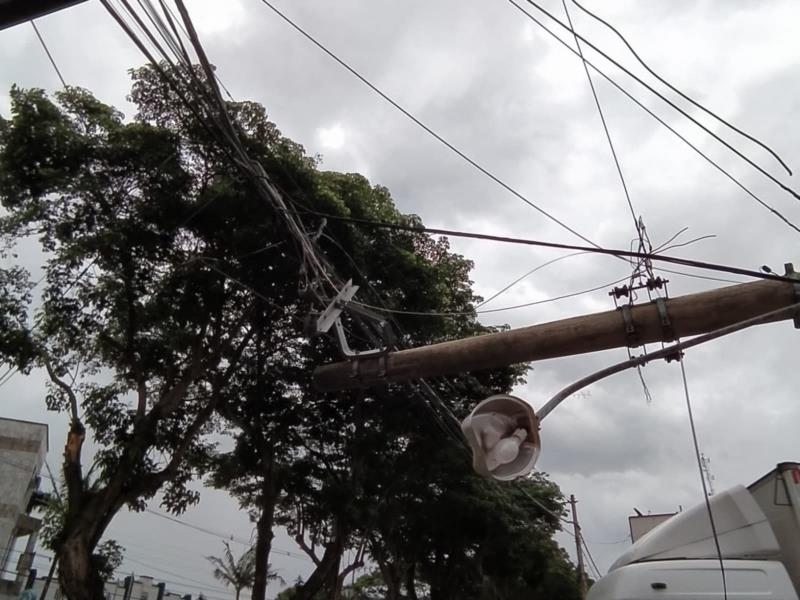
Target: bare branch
{"x":73,"y":400}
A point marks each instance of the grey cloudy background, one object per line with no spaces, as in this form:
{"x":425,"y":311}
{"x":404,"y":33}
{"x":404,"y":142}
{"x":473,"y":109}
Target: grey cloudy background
{"x":491,"y":82}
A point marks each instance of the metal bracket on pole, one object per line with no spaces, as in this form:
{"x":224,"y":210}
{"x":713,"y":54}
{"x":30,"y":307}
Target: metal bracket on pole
{"x":630,"y":326}
{"x":332,"y":317}
{"x":791,"y":273}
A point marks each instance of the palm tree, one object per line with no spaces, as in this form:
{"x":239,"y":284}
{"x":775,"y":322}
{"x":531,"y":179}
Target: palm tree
{"x":235,"y":573}
{"x":240,"y":573}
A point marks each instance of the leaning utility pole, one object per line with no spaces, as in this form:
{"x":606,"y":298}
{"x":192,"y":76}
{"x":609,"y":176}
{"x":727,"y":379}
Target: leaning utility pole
{"x":631,"y":326}
{"x":578,"y":546}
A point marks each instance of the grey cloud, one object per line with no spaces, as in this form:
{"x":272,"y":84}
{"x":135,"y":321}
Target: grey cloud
{"x":524,"y":110}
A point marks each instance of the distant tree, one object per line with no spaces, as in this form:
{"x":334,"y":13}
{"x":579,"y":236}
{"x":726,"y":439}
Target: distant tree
{"x":235,"y":572}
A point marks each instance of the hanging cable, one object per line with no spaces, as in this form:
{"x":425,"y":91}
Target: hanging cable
{"x":50,"y":56}
{"x":591,"y":558}
{"x":681,"y":93}
{"x":662,"y":97}
{"x":637,"y":222}
{"x":686,"y":262}
{"x":702,"y":477}
{"x":472,"y":162}
{"x":602,"y":115}
{"x":666,"y":125}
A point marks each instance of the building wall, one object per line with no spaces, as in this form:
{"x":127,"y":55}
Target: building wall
{"x":23,"y":447}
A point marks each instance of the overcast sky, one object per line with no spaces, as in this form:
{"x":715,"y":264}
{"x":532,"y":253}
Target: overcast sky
{"x":490,"y":81}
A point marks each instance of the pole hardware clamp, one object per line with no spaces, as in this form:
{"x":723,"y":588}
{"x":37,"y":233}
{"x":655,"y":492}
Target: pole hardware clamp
{"x":792,"y":274}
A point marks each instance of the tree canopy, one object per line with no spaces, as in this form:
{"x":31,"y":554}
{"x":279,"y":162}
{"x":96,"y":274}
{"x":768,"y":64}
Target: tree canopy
{"x":174,"y":306}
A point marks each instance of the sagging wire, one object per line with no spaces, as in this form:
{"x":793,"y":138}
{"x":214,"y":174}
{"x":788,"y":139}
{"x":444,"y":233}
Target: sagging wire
{"x":674,"y":106}
{"x":680,"y":92}
{"x":698,"y":456}
{"x":638,"y":222}
{"x":661,"y":121}
{"x":215,"y":118}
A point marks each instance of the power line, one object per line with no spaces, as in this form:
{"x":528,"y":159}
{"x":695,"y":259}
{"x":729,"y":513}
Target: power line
{"x":661,"y":96}
{"x":526,"y":275}
{"x":698,"y":456}
{"x":697,"y":264}
{"x":205,"y":585}
{"x":666,"y":125}
{"x":222,"y":536}
{"x":591,"y":558}
{"x":50,"y":56}
{"x":681,"y":93}
{"x":602,"y":118}
{"x":494,"y":310}
{"x":472,"y":162}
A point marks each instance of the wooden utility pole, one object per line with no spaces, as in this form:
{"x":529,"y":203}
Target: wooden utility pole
{"x":663,"y":320}
{"x":578,"y":547}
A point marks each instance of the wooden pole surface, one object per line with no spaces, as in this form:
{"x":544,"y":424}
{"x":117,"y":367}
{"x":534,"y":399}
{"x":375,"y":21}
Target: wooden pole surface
{"x":688,"y":315}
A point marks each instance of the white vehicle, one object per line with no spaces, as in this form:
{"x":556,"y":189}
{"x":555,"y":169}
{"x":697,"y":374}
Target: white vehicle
{"x":758,"y":530}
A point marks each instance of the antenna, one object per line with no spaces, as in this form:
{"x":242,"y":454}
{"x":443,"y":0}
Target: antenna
{"x":705,"y":463}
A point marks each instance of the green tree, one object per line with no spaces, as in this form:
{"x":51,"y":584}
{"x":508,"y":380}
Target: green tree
{"x":235,"y":572}
{"x":140,"y":329}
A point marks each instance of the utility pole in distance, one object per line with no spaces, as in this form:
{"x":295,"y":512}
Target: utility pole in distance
{"x":578,"y":547}
{"x":631,"y":326}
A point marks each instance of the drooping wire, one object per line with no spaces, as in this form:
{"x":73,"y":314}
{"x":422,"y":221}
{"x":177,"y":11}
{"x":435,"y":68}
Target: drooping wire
{"x":637,"y":222}
{"x":603,"y":286}
{"x":430,"y":131}
{"x":662,"y":97}
{"x":50,"y":56}
{"x":661,"y":121}
{"x":602,"y":115}
{"x":591,"y":558}
{"x":686,"y":262}
{"x":698,"y":456}
{"x":526,"y":275}
{"x":680,"y":92}
{"x":206,"y":105}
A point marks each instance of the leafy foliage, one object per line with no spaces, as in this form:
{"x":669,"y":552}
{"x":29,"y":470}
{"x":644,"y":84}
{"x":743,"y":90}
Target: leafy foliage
{"x":173,"y":296}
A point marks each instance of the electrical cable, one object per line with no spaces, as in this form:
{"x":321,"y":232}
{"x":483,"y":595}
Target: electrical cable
{"x":661,"y":96}
{"x":602,"y":116}
{"x":205,"y":585}
{"x":695,"y":276}
{"x":681,"y":93}
{"x":625,"y":540}
{"x":530,"y":242}
{"x":638,"y":223}
{"x":666,"y":125}
{"x":526,"y":275}
{"x":221,"y":536}
{"x":472,"y":162}
{"x":591,"y":558}
{"x":494,"y":310}
{"x":697,"y":453}
{"x":50,"y":56}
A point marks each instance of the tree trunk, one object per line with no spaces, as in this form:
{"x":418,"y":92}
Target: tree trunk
{"x":411,"y":589}
{"x":264,"y":536}
{"x":238,"y":591}
{"x":76,"y":574}
{"x":327,"y":565}
{"x":391,"y":578}
{"x":438,"y":582}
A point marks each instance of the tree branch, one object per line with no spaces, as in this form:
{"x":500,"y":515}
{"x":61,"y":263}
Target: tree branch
{"x":307,"y":549}
{"x":73,"y":400}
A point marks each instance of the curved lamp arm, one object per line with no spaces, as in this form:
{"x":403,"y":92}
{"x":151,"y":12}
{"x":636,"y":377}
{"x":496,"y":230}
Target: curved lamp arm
{"x":663,"y":353}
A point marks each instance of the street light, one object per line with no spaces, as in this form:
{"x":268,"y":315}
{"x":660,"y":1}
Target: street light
{"x":503,"y":432}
